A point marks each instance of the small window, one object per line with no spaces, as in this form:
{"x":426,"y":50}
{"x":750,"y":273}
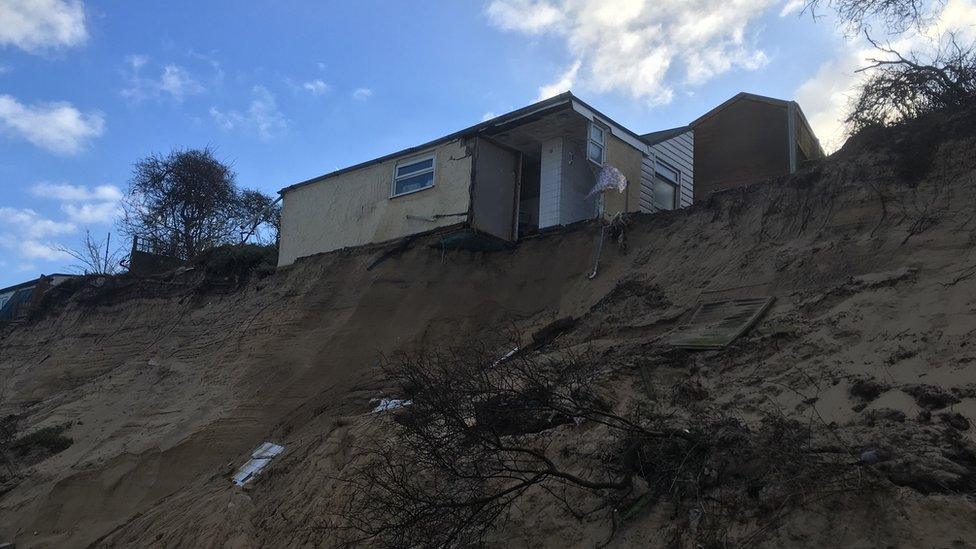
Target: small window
{"x":413,"y":175}
{"x":667,"y":182}
{"x":596,"y":144}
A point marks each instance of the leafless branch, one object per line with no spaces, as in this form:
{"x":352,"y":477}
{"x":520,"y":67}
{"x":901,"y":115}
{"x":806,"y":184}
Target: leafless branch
{"x":94,"y":256}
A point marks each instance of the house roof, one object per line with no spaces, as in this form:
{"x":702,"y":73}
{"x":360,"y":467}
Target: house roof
{"x":755,"y":97}
{"x":30,"y":283}
{"x":654,"y":138}
{"x":499,"y":123}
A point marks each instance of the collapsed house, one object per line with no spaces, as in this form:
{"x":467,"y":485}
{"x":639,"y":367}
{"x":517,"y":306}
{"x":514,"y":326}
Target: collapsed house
{"x":526,"y":171}
{"x":17,"y":301}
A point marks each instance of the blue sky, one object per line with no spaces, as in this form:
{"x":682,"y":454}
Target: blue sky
{"x":286,"y":90}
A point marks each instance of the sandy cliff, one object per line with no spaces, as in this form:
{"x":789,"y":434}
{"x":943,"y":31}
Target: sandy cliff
{"x":166,"y":390}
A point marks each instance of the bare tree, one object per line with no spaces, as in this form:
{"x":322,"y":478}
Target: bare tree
{"x":187,"y":202}
{"x":901,"y":87}
{"x":257,"y":211}
{"x":481,"y":434}
{"x":896,"y":16}
{"x":95,"y":257}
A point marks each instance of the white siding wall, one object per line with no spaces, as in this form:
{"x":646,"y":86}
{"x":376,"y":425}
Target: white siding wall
{"x":565,"y":179}
{"x":550,"y":174}
{"x":677,"y":152}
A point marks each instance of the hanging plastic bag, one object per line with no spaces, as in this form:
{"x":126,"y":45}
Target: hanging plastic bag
{"x":608,"y":178}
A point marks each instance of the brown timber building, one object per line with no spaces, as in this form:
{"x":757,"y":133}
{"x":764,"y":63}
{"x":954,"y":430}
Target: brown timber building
{"x":748,"y":139}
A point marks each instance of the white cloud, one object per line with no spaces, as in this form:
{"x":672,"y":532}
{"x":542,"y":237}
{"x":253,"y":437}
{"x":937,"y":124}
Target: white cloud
{"x":35,"y":249}
{"x":26,"y":235}
{"x":83,"y":205}
{"x":564,"y":83}
{"x":792,"y":6}
{"x":262,"y":116}
{"x":58,"y":127}
{"x":91,"y":213}
{"x":524,"y":15}
{"x":28,"y":223}
{"x":76,"y":193}
{"x":174,"y":81}
{"x":38,"y":25}
{"x":362,"y":94}
{"x":639,"y":47}
{"x":177,"y":82}
{"x":826,"y":96}
{"x":316,"y":87}
{"x":4,"y":69}
{"x":487,"y":116}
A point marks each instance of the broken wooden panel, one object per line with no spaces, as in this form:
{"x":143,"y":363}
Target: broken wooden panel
{"x":715,"y":324}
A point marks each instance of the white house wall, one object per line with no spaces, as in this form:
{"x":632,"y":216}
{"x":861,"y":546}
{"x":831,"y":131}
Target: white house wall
{"x":550,"y":176}
{"x":565,"y":180}
{"x":677,"y":152}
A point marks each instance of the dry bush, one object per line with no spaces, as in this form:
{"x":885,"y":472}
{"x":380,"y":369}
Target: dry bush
{"x":901,"y":88}
{"x":95,"y":257}
{"x":481,"y":434}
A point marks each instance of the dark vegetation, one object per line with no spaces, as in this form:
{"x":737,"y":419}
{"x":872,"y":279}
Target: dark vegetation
{"x":481,"y":435}
{"x":906,"y":87}
{"x":48,"y":441}
{"x":187,"y":202}
{"x":899,"y":86}
{"x":235,"y":264}
{"x":17,"y":453}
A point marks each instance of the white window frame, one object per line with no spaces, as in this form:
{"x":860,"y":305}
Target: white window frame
{"x":409,"y":161}
{"x":667,"y":181}
{"x":604,"y":130}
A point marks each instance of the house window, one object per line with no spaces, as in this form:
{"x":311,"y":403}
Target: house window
{"x":596,"y":144}
{"x":413,"y":175}
{"x":667,"y":183}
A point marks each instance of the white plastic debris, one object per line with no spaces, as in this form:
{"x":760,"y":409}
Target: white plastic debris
{"x":391,"y":404}
{"x":260,"y":458}
{"x":507,"y":356}
{"x":869,"y":457}
{"x":608,"y":178}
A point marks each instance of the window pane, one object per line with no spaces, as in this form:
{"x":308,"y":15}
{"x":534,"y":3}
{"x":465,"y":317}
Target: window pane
{"x":667,"y":173}
{"x":665,"y":194}
{"x":414,"y":183}
{"x":407,"y":169}
{"x":596,"y":133}
{"x":595,"y":152}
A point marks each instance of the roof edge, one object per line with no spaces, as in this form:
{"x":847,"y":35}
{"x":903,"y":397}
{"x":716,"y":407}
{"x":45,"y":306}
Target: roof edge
{"x":33,"y":282}
{"x":764,"y":99}
{"x":653,"y":138}
{"x":565,"y":97}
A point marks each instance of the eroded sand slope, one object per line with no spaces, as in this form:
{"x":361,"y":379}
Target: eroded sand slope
{"x":869,"y":255}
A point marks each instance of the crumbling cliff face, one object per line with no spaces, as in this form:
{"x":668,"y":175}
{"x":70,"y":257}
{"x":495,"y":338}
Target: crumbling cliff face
{"x":164,"y":390}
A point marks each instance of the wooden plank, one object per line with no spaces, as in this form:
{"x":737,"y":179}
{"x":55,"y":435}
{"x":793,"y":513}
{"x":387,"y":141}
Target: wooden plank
{"x":716,"y":324}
